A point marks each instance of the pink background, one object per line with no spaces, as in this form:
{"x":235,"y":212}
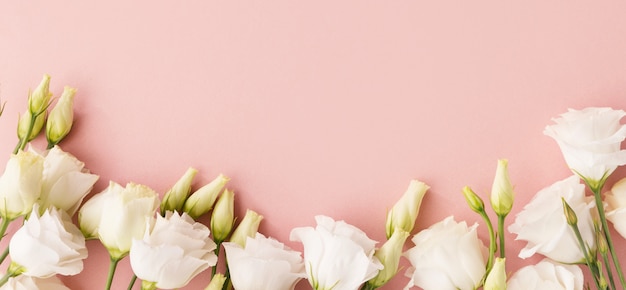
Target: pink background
{"x":316,"y":107}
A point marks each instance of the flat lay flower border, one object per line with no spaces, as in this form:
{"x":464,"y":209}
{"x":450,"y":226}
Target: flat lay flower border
{"x":45,"y":191}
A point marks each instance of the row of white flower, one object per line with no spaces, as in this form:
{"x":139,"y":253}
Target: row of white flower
{"x":167,"y":247}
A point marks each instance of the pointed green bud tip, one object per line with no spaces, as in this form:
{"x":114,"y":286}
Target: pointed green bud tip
{"x":496,"y":279}
{"x":570,"y":215}
{"x":217,"y":282}
{"x":175,"y":197}
{"x":473,"y":200}
{"x":502,"y":191}
{"x":39,"y":99}
{"x":61,"y":117}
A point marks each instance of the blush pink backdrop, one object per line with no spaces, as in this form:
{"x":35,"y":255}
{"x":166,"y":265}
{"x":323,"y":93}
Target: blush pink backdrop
{"x":316,"y":107}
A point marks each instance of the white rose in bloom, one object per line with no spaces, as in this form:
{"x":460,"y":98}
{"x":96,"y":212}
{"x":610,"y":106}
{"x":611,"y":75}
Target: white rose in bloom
{"x":264,"y":264}
{"x":336,"y":255}
{"x":23,"y":282}
{"x":20,"y":185}
{"x":590,"y":141}
{"x":547,"y":275}
{"x":47,"y":245}
{"x":616,"y":209}
{"x":543,"y":225}
{"x":65,"y":182}
{"x":173,"y":252}
{"x":125,"y":212}
{"x":447,"y":255}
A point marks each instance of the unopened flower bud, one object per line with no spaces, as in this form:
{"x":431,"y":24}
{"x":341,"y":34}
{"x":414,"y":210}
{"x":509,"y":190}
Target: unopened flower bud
{"x":203,"y":199}
{"x":404,"y":212}
{"x":496,"y":279}
{"x":61,"y":118}
{"x":217,"y":282}
{"x":39,"y":99}
{"x":23,"y":126}
{"x":502,"y":190}
{"x":389,"y":255}
{"x":223,"y":216}
{"x":473,"y":200}
{"x":570,"y":215}
{"x":247,"y":228}
{"x":175,"y":197}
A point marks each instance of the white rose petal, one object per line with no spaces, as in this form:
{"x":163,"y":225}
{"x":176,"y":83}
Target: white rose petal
{"x":447,"y":255}
{"x":337,"y":254}
{"x":547,"y":275}
{"x":264,"y":264}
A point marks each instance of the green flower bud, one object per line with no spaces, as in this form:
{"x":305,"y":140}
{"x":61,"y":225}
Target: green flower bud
{"x":223,"y":216}
{"x":175,"y":197}
{"x":389,"y":255}
{"x":217,"y":282}
{"x":203,"y":199}
{"x":23,"y":125}
{"x":404,"y":212}
{"x":61,"y":117}
{"x":247,"y":228}
{"x":473,"y":200}
{"x":39,"y":99}
{"x":570,"y":215}
{"x":496,"y":279}
{"x":502,"y":190}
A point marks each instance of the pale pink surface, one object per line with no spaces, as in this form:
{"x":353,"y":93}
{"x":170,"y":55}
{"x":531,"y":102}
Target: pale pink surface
{"x":320,"y":107}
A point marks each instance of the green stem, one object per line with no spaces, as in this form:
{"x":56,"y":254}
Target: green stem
{"x":132,"y":282}
{"x":501,"y":234}
{"x":5,"y":254}
{"x":112,"y":267}
{"x":492,"y":239}
{"x":367,"y":286}
{"x":4,"y":226}
{"x":588,"y":259}
{"x":217,"y":253}
{"x":607,"y":264}
{"x":607,"y":234}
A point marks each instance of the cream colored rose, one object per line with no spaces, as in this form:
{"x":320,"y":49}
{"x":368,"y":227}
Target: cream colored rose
{"x":547,"y":275}
{"x":264,"y":264}
{"x":48,"y":244}
{"x":337,"y":255}
{"x":173,"y":252}
{"x":447,"y":255}
{"x":23,"y":282}
{"x":65,"y":181}
{"x":590,"y":141}
{"x":543,"y":225}
{"x":20,"y":185}
{"x":616,"y":206}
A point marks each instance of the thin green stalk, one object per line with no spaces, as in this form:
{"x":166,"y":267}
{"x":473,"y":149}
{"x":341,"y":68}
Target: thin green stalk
{"x":3,"y":227}
{"x":607,"y":234}
{"x":132,"y":282}
{"x":607,"y":264}
{"x":492,"y":240}
{"x":5,"y":254}
{"x":501,"y":234}
{"x":217,"y":253}
{"x":588,"y":259}
{"x":112,"y":267}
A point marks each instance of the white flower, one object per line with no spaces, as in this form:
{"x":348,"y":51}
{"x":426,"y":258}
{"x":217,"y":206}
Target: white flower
{"x":264,"y":264}
{"x":65,"y":181}
{"x":124,"y":214}
{"x":447,"y":255}
{"x":47,"y":245}
{"x":173,"y":252}
{"x":543,"y":225}
{"x":20,"y":185}
{"x":547,"y":275}
{"x":590,"y":141}
{"x":616,"y":206}
{"x":336,"y":254}
{"x":23,"y":282}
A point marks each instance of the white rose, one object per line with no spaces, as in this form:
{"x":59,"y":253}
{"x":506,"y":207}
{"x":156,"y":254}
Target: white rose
{"x":119,"y":215}
{"x":65,"y":181}
{"x":590,"y":141}
{"x":336,"y":254}
{"x":543,"y":225}
{"x":20,"y":185}
{"x":48,"y":244}
{"x":23,"y":282}
{"x":616,"y":206}
{"x":173,"y":252}
{"x":264,"y":264}
{"x":447,"y":255}
{"x":547,"y":275}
